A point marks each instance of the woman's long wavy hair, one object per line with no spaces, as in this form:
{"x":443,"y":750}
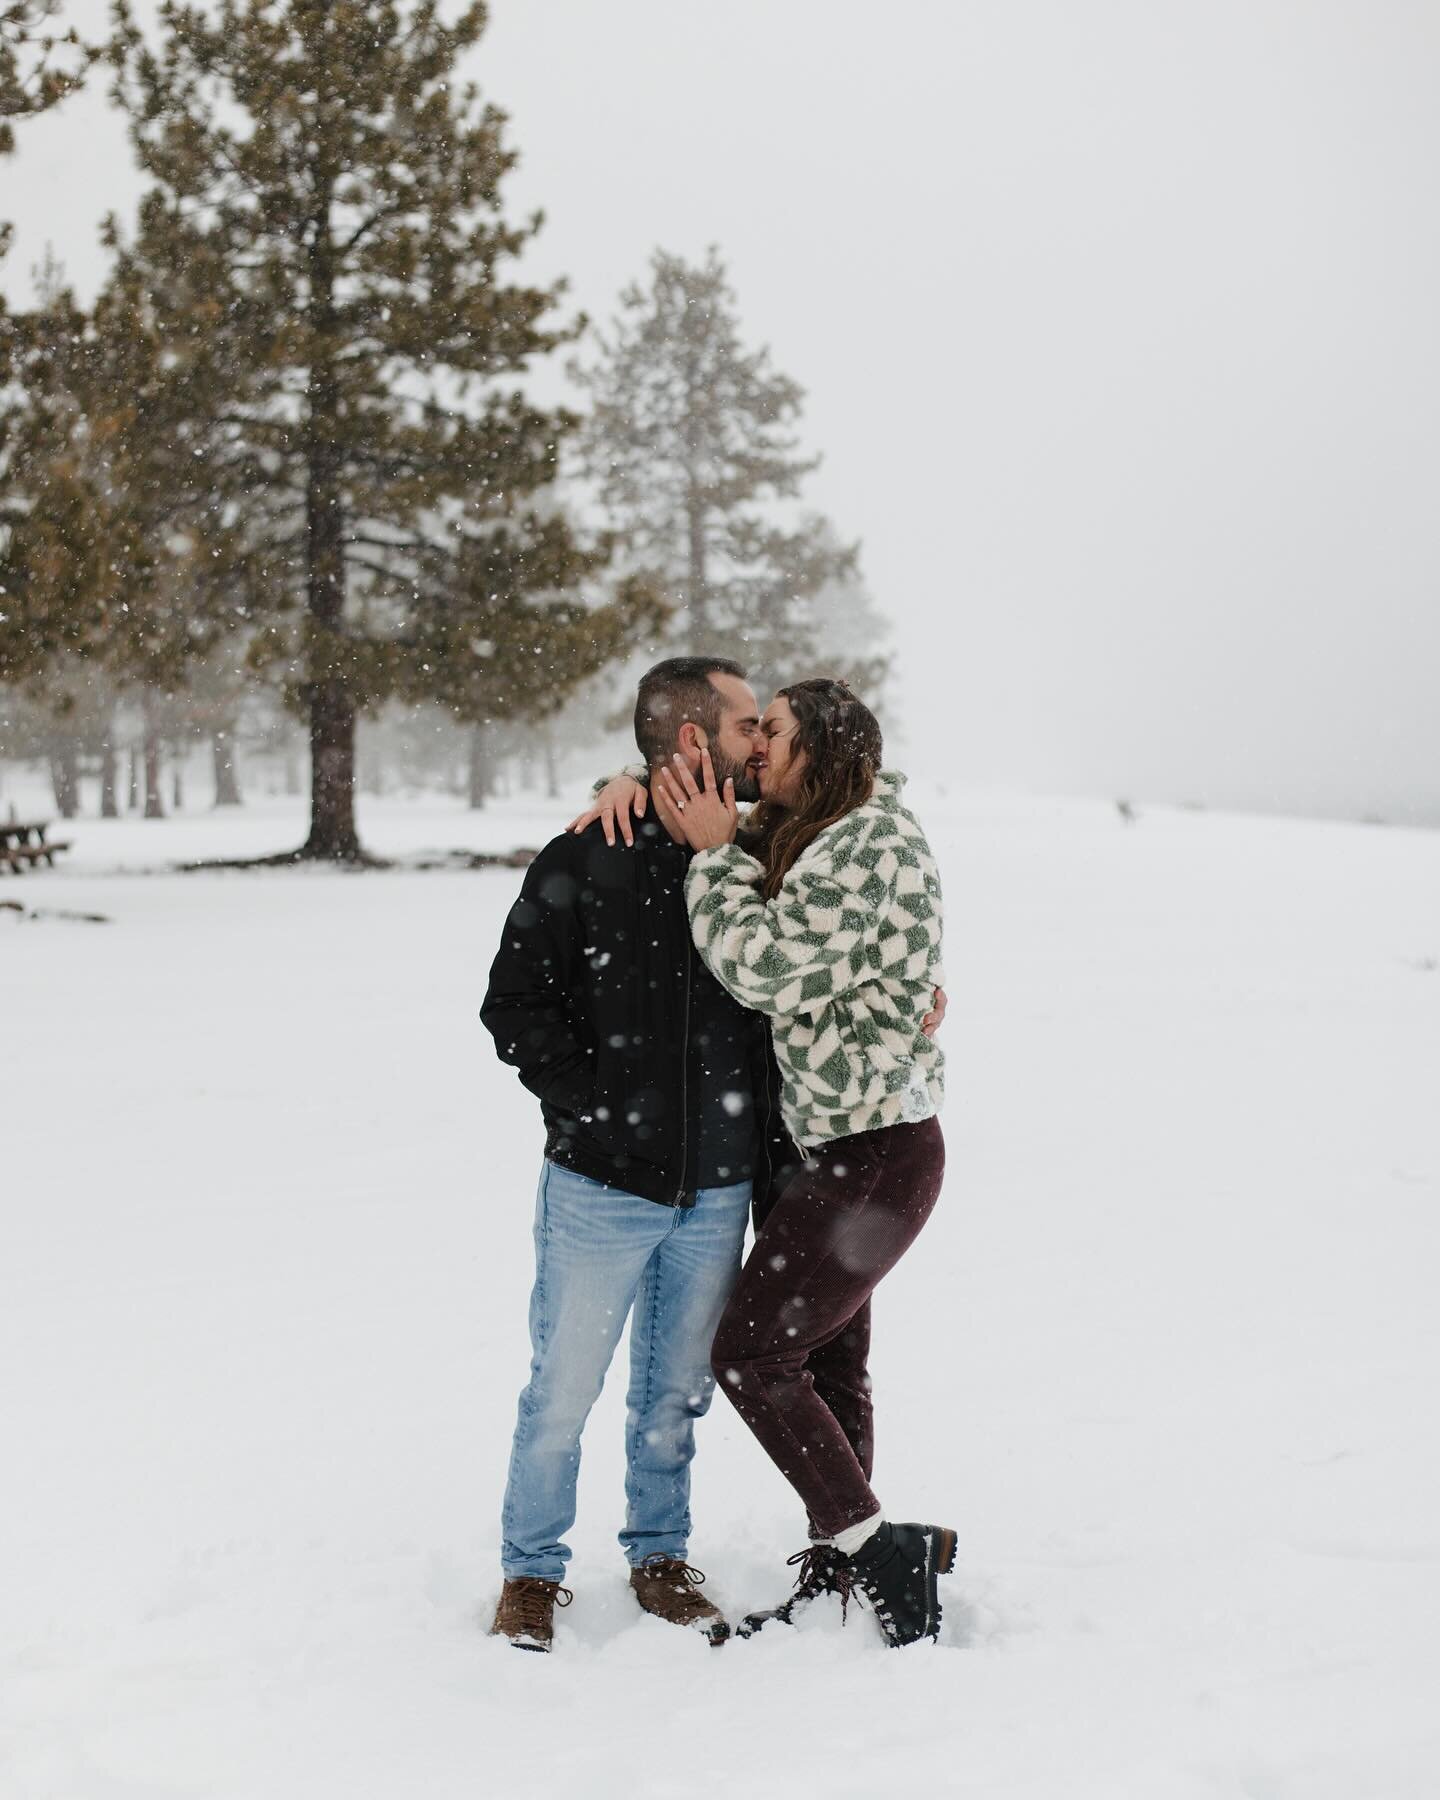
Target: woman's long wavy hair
{"x":842,"y":746}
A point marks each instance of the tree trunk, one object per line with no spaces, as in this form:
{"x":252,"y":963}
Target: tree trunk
{"x":178,"y":777}
{"x":552,"y":771}
{"x":109,"y":779}
{"x":65,"y":779}
{"x":482,"y":767}
{"x":227,"y":782}
{"x":154,"y":804}
{"x":332,"y":706}
{"x":332,"y":774}
{"x":132,"y":786}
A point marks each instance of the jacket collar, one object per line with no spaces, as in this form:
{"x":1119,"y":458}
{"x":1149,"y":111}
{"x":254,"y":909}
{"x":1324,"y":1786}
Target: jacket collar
{"x":889,"y":788}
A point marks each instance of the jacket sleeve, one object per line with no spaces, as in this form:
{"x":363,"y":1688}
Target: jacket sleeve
{"x":639,"y":773}
{"x":528,"y":1008}
{"x":792,"y":954}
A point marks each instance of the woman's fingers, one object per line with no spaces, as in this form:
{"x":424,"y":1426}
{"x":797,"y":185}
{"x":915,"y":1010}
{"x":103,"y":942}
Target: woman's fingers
{"x":614,"y":804}
{"x":677,"y":810}
{"x":686,"y":778}
{"x":604,"y":811}
{"x":673,"y":791}
{"x":664,"y":805}
{"x":729,"y":796}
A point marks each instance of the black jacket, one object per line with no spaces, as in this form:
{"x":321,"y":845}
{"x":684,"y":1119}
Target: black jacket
{"x":592,"y":997}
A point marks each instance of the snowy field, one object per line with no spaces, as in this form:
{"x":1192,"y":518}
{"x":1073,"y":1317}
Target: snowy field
{"x":1167,"y":1356}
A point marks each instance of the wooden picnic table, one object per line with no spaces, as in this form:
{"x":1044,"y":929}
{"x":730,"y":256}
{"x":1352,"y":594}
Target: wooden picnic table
{"x":23,"y":844}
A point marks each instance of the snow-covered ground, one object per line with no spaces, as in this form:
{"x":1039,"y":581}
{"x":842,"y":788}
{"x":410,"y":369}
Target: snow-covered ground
{"x":1167,"y":1356}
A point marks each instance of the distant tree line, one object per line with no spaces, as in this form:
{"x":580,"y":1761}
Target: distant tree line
{"x":285,"y":466}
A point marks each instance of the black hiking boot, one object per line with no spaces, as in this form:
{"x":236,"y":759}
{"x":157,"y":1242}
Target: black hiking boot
{"x":823,"y":1570}
{"x":897,"y":1569}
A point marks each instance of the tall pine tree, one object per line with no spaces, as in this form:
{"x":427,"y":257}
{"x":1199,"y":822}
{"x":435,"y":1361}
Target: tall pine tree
{"x":325,"y":230}
{"x":115,"y":551}
{"x":691,"y":442}
{"x":41,"y":60}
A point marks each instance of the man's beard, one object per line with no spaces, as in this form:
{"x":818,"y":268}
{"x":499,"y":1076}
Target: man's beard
{"x":747,"y":785}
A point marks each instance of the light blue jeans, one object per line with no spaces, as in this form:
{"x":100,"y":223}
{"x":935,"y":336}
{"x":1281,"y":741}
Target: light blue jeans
{"x":598,"y":1252}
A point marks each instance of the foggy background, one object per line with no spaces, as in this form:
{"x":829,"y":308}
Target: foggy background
{"x":1117,"y":323}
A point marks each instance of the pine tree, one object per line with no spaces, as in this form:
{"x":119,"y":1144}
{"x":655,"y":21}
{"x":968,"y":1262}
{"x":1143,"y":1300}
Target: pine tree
{"x":691,"y":441}
{"x":41,"y":61}
{"x":113,"y":552}
{"x":326,"y":222}
{"x":832,"y":624}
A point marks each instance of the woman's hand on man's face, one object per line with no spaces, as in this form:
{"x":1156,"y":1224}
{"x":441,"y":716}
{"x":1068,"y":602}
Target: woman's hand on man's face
{"x":707,"y":816}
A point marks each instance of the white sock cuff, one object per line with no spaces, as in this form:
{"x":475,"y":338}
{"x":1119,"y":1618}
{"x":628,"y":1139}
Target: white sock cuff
{"x":847,"y":1542}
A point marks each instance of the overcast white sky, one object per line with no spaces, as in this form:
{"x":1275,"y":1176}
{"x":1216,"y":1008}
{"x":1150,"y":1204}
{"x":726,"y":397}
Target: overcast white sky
{"x":1118,"y":320}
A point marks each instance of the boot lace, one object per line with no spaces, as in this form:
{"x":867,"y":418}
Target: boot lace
{"x":823,"y":1570}
{"x":685,"y":1578}
{"x":530,"y":1600}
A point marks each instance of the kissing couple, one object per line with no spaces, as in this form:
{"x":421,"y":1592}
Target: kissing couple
{"x":725,"y":1013}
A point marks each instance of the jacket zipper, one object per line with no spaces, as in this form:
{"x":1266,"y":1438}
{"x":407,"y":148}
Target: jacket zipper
{"x":685,"y":1079}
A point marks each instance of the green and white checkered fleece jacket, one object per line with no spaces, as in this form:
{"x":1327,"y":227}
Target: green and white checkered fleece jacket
{"x":844,"y":961}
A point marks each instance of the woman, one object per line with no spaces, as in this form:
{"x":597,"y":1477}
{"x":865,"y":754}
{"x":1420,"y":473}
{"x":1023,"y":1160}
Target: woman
{"x":826,"y":916}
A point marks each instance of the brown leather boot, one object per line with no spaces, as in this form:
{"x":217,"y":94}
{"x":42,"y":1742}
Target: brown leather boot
{"x":526,"y":1613}
{"x":666,"y":1587}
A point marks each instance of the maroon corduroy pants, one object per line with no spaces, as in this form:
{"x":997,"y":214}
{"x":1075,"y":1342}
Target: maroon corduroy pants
{"x":792,"y":1345}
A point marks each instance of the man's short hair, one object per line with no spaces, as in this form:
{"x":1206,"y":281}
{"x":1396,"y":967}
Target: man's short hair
{"x":673,"y":691}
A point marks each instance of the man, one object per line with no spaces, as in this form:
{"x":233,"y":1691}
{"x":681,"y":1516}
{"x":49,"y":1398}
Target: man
{"x":662,"y":1122}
